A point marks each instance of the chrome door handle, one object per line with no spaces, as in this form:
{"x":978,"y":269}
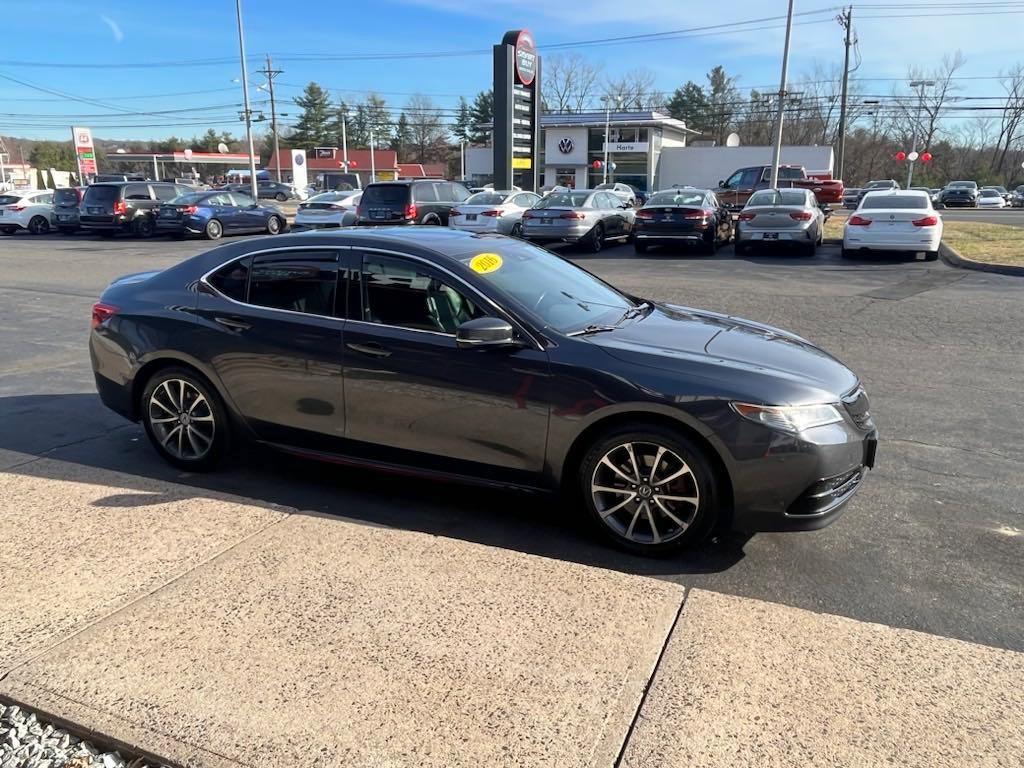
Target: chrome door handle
{"x":233,"y":324}
{"x":373,"y":349}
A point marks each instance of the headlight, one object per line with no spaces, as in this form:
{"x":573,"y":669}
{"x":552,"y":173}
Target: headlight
{"x":793,"y":418}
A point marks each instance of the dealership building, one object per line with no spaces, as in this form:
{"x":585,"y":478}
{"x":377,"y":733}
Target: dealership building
{"x":570,"y":143}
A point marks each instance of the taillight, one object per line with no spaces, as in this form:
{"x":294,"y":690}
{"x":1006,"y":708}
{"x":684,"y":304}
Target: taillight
{"x":800,"y":215}
{"x":529,"y":215}
{"x":102,"y":312}
{"x":572,"y":215}
{"x":491,"y":213}
{"x":746,"y":216}
{"x":17,"y":208}
{"x":193,"y":208}
{"x":858,"y":221}
{"x":927,"y":221}
{"x":697,"y":214}
{"x":410,"y":211}
{"x":120,"y":207}
{"x":454,"y":212}
{"x":644,"y":214}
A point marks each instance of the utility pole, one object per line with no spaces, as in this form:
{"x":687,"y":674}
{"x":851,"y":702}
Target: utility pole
{"x":373,"y":162}
{"x":245,"y":101}
{"x":845,"y":20}
{"x":920,"y":85}
{"x":271,"y":73}
{"x":344,"y":140}
{"x":777,"y":150}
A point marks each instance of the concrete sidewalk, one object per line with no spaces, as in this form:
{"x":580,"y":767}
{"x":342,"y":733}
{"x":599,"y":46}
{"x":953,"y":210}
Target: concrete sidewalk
{"x":214,"y":632}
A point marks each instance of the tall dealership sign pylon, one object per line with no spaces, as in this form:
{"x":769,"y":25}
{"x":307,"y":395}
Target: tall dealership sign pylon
{"x":516,"y":111}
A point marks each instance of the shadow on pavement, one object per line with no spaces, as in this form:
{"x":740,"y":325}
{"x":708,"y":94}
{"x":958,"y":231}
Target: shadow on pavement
{"x":77,"y":429}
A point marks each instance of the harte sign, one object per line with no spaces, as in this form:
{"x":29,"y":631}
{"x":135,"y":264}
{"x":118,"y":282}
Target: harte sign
{"x":526,"y":58}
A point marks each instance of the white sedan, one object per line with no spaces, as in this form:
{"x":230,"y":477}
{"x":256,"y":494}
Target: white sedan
{"x":991,"y":198}
{"x":500,"y":212}
{"x":329,"y":209}
{"x":624,"y":192}
{"x":894,"y":220}
{"x":31,"y":210}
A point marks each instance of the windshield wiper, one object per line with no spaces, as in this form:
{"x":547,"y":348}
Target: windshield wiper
{"x":593,"y":329}
{"x":636,"y":311}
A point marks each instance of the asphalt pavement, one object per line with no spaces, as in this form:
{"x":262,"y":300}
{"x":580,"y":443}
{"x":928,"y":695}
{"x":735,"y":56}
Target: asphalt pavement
{"x":933,"y":542}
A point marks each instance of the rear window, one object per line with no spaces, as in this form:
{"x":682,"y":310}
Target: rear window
{"x":9,"y":199}
{"x":486,"y":198}
{"x":783,"y":197}
{"x":880,"y":185}
{"x":564,"y":200}
{"x":102,"y":193}
{"x":990,"y":193}
{"x":66,"y":196}
{"x":963,"y":184}
{"x":137,"y":192}
{"x":791,"y":173}
{"x":677,"y":198}
{"x":895,"y":201}
{"x":331,"y":197}
{"x":167,"y":191}
{"x":386,"y":194}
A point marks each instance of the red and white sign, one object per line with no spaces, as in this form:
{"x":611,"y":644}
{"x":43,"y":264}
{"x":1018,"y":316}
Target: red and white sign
{"x":85,"y":152}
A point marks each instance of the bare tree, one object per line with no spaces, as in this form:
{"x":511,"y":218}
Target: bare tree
{"x":569,"y":82}
{"x":426,"y":128}
{"x":1011,"y":121}
{"x":634,"y":90}
{"x":930,"y":101}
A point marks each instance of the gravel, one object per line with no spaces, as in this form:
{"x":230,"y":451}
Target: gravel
{"x":27,"y":742}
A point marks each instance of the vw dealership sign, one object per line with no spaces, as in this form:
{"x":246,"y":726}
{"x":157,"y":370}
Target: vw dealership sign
{"x":516,"y":111}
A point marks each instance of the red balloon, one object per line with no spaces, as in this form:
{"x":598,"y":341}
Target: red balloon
{"x":926,"y":157}
{"x":901,"y":155}
{"x":597,"y":164}
{"x":352,"y":163}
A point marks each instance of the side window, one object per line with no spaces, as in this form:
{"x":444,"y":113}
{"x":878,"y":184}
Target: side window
{"x":459,"y":193}
{"x":44,"y":199}
{"x":524,"y":200}
{"x":424,"y":193}
{"x":165,"y":191}
{"x":299,"y":281}
{"x":712,"y":201}
{"x":750,"y":177}
{"x":400,"y":293}
{"x":137,"y":192}
{"x":232,"y":279}
{"x":734,"y":180}
{"x":221,"y":199}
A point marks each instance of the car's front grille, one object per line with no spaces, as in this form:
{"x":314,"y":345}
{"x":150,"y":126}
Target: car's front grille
{"x":826,"y":494}
{"x":857,"y":405}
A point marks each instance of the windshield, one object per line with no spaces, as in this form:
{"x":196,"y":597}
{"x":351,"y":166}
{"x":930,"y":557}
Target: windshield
{"x":775,"y":197}
{"x":557,"y":292}
{"x":895,"y":201}
{"x":486,"y":198}
{"x":677,"y":198}
{"x":990,"y":193}
{"x":564,"y":200}
{"x":962,"y":184}
{"x":880,"y":185}
{"x":605,"y":186}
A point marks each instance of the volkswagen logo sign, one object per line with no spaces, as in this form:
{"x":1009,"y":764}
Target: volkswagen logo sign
{"x":566,"y":146}
{"x":300,"y":159}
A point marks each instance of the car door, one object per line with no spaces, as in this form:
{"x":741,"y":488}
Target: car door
{"x":272,"y":331}
{"x":412,"y":392}
{"x":614,"y":221}
{"x":223,"y":208}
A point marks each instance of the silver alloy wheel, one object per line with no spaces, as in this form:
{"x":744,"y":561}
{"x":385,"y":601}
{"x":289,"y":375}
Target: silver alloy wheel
{"x":182,"y":419}
{"x":645,"y":492}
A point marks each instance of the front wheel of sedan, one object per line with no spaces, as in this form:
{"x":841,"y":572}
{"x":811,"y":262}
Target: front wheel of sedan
{"x":184,"y":419}
{"x":648,"y":489}
{"x":213,"y":230}
{"x":273,"y":225}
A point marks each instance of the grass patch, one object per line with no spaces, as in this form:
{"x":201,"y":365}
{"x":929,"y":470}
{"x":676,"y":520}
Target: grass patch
{"x":836,"y":222}
{"x":988,"y":243}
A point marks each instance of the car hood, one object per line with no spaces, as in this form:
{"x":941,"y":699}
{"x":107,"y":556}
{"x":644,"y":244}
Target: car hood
{"x":675,"y":338}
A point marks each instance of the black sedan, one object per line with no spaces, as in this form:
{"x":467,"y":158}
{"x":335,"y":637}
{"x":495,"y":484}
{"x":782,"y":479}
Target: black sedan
{"x":687,"y":216}
{"x":217,"y":213}
{"x":487,"y":359}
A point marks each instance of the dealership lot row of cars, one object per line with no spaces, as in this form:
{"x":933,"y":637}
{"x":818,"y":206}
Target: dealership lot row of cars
{"x":963,"y":194}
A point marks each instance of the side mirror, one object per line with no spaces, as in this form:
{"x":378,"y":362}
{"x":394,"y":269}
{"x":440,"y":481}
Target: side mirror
{"x":623,"y":206}
{"x":722,"y":184}
{"x":485,"y":332}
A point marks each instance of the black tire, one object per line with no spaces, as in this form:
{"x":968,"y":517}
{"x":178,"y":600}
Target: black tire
{"x":517,"y":229}
{"x":809,"y":249}
{"x":214,"y":230}
{"x":740,"y":248}
{"x":38,"y":225}
{"x":698,"y":483}
{"x":143,"y":227}
{"x":431,"y":221}
{"x":931,"y":256}
{"x":107,"y":233}
{"x":163,"y":435}
{"x":640,"y":247}
{"x":280,"y":197}
{"x":274,"y":225}
{"x":595,"y":241}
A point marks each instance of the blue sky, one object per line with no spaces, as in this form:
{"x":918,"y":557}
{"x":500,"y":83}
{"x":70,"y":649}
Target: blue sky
{"x":44,"y":33}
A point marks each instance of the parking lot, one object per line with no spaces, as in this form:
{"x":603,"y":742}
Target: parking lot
{"x":933,"y":542}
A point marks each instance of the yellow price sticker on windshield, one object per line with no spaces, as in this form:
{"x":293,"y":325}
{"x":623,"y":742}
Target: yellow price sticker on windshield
{"x":484,"y":263}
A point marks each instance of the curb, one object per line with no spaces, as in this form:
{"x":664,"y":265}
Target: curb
{"x":954,"y":259}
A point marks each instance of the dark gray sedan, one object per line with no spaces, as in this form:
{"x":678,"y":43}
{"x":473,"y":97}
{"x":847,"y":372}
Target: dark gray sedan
{"x":486,"y":359}
{"x":585,"y":216}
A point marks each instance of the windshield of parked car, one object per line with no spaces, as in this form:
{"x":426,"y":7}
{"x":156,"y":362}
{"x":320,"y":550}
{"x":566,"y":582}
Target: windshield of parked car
{"x":990,"y":193}
{"x":895,"y":201}
{"x":677,"y":198}
{"x":778,"y":197}
{"x":557,"y":292}
{"x":962,"y":184}
{"x":605,"y":186}
{"x":880,"y":185}
{"x":564,"y":200}
{"x":486,"y":198}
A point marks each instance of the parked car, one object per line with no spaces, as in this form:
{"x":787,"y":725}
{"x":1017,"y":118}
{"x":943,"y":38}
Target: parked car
{"x":278,"y":190}
{"x":682,"y":216}
{"x":624,"y":192}
{"x":336,"y":181}
{"x":991,"y":198}
{"x":781,"y":216}
{"x":851,"y":197}
{"x":894,"y":220}
{"x":586,"y":216}
{"x":125,"y":206}
{"x":329,"y":209}
{"x":737,"y":189}
{"x":218,"y":213}
{"x":423,"y":201}
{"x":1017,"y":199}
{"x":500,"y":212}
{"x":1001,"y":190}
{"x":31,"y":210}
{"x":65,"y":209}
{"x":936,"y":195}
{"x":486,"y":359}
{"x":959,"y":193}
{"x":878,"y":184}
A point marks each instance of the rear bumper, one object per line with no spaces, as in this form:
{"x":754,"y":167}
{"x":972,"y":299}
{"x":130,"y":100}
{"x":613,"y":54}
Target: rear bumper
{"x":65,"y":219}
{"x":747,"y":235}
{"x":552,"y":233}
{"x":913,"y":245}
{"x":105,"y":224}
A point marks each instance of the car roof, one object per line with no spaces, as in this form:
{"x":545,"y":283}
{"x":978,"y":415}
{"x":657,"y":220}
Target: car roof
{"x":898,"y":193}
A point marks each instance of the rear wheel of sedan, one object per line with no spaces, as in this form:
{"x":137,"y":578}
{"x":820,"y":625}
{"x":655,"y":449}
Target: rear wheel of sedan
{"x":184,"y":419}
{"x":280,"y":197}
{"x":595,"y":242}
{"x":648,"y":489}
{"x":38,"y":225}
{"x":273,"y":225}
{"x":517,"y":229}
{"x":213,"y":230}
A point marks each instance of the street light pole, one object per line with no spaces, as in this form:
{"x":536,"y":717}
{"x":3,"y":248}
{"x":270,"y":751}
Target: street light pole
{"x":245,"y":101}
{"x":607,"y":125}
{"x":344,"y":141}
{"x":462,"y":159}
{"x":777,"y":149}
{"x":920,"y":85}
{"x":373,"y":162}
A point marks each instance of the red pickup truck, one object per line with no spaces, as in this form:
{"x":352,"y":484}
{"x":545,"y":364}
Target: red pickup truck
{"x":735,"y":190}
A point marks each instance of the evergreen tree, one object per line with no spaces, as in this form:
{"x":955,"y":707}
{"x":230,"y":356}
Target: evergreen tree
{"x":690,"y":105}
{"x":463,"y":121}
{"x":311,"y":129}
{"x":341,"y":114}
{"x":378,"y":119}
{"x":481,"y":114}
{"x":402,"y":139}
